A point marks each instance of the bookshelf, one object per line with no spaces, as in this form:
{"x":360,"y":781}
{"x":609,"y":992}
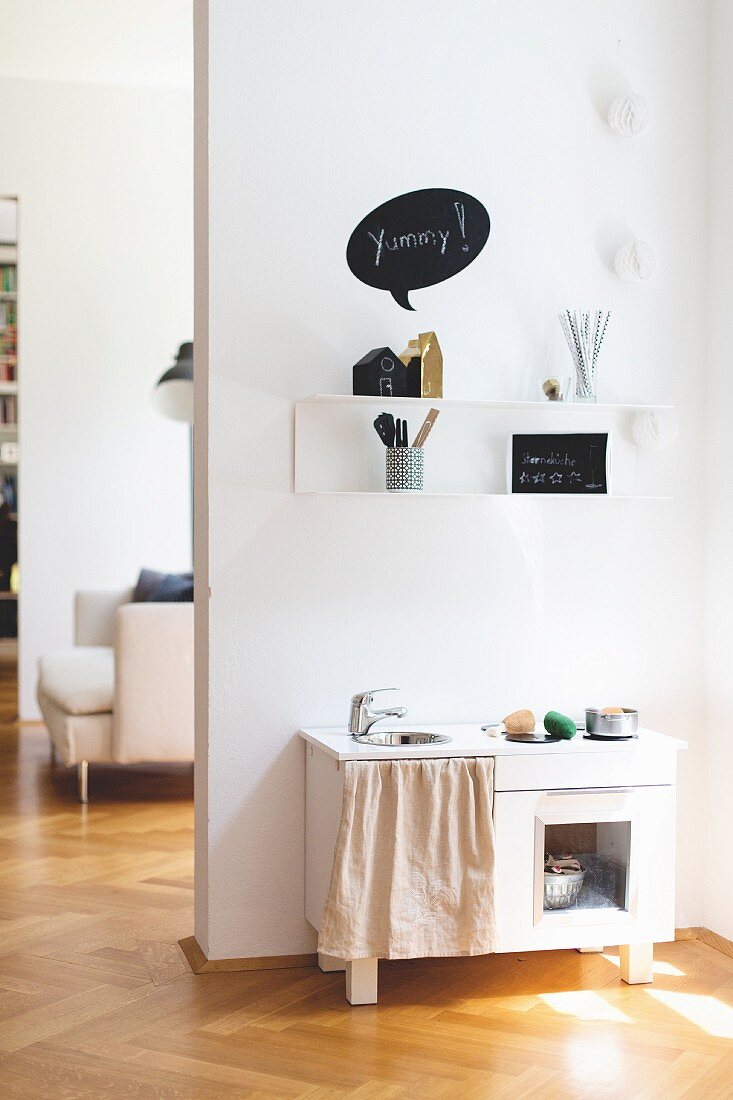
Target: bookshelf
{"x":8,"y":419}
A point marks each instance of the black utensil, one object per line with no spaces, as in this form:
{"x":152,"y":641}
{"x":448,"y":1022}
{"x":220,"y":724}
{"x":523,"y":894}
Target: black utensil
{"x":385,"y":428}
{"x":404,"y":434}
{"x":389,"y":428}
{"x":398,"y":440}
{"x":381,"y":430}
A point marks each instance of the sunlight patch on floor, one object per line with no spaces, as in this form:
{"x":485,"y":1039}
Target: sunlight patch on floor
{"x":666,"y":968}
{"x":708,"y":1013}
{"x":584,"y":1004}
{"x":660,"y":967}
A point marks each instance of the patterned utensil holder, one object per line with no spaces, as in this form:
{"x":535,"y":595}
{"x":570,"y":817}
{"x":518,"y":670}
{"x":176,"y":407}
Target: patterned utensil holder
{"x":405,"y":469}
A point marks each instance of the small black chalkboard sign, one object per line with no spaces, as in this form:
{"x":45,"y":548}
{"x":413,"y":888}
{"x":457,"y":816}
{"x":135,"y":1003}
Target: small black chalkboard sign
{"x":417,"y":240}
{"x":555,"y":463}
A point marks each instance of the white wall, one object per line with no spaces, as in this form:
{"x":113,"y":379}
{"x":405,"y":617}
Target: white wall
{"x":8,"y":221}
{"x":319,"y":111}
{"x":143,"y":43}
{"x":718,"y":849}
{"x":103,"y":176}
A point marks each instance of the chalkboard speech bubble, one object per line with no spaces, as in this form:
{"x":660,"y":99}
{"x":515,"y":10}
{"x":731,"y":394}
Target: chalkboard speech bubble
{"x":417,"y":240}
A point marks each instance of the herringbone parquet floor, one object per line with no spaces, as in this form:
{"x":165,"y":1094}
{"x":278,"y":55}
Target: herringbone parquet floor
{"x":96,"y":999}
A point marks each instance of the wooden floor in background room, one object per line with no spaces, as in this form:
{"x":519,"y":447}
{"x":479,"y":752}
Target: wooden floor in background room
{"x":96,"y":999}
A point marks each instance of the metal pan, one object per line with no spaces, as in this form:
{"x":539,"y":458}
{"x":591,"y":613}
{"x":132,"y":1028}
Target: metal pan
{"x":611,"y":727}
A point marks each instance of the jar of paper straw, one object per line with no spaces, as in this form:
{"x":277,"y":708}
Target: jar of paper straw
{"x":584,"y":333}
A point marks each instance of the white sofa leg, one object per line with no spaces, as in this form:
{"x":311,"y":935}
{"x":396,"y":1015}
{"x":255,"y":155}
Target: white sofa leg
{"x":329,"y":963}
{"x":83,"y":776}
{"x":637,"y":963}
{"x":361,"y":981}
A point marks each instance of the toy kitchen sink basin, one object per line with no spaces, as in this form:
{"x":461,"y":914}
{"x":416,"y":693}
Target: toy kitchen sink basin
{"x":401,"y":738}
{"x":610,"y":802}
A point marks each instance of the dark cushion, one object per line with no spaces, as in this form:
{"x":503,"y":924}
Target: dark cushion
{"x":148,"y":580}
{"x":155,"y":587}
{"x":174,"y":588}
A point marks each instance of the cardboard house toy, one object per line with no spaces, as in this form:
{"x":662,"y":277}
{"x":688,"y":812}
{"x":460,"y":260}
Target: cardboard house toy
{"x":424,"y":361}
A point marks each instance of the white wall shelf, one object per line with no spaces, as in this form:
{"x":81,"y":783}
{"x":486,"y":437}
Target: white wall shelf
{"x":424,"y":403}
{"x":479,"y":496}
{"x":337,"y":449}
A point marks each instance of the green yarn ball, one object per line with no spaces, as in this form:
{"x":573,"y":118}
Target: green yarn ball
{"x":559,"y":725}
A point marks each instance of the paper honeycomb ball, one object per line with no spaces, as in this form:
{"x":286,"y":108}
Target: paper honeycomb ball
{"x":630,"y":115}
{"x":655,"y":429}
{"x":636,"y":262}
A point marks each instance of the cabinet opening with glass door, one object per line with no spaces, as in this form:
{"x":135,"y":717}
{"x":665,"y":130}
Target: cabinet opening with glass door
{"x":601,"y":851}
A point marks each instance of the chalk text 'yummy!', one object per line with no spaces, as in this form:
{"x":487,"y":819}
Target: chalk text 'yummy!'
{"x":410,"y":240}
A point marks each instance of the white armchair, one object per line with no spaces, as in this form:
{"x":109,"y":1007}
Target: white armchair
{"x":124,"y":692}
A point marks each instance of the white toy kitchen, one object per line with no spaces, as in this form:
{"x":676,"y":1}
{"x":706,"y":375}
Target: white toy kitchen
{"x":611,"y":803}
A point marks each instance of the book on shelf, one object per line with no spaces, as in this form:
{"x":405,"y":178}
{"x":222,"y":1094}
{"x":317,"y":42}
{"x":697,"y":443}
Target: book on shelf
{"x":8,"y":284}
{"x":8,"y":342}
{"x":9,"y":492}
{"x":8,"y":409}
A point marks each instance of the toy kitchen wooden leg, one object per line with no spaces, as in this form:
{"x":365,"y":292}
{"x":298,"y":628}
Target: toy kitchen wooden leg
{"x":361,"y":981}
{"x":329,"y":963}
{"x":637,"y":963}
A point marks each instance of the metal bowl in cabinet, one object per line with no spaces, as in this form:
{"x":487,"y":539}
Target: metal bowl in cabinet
{"x":562,"y":891}
{"x":390,"y":738}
